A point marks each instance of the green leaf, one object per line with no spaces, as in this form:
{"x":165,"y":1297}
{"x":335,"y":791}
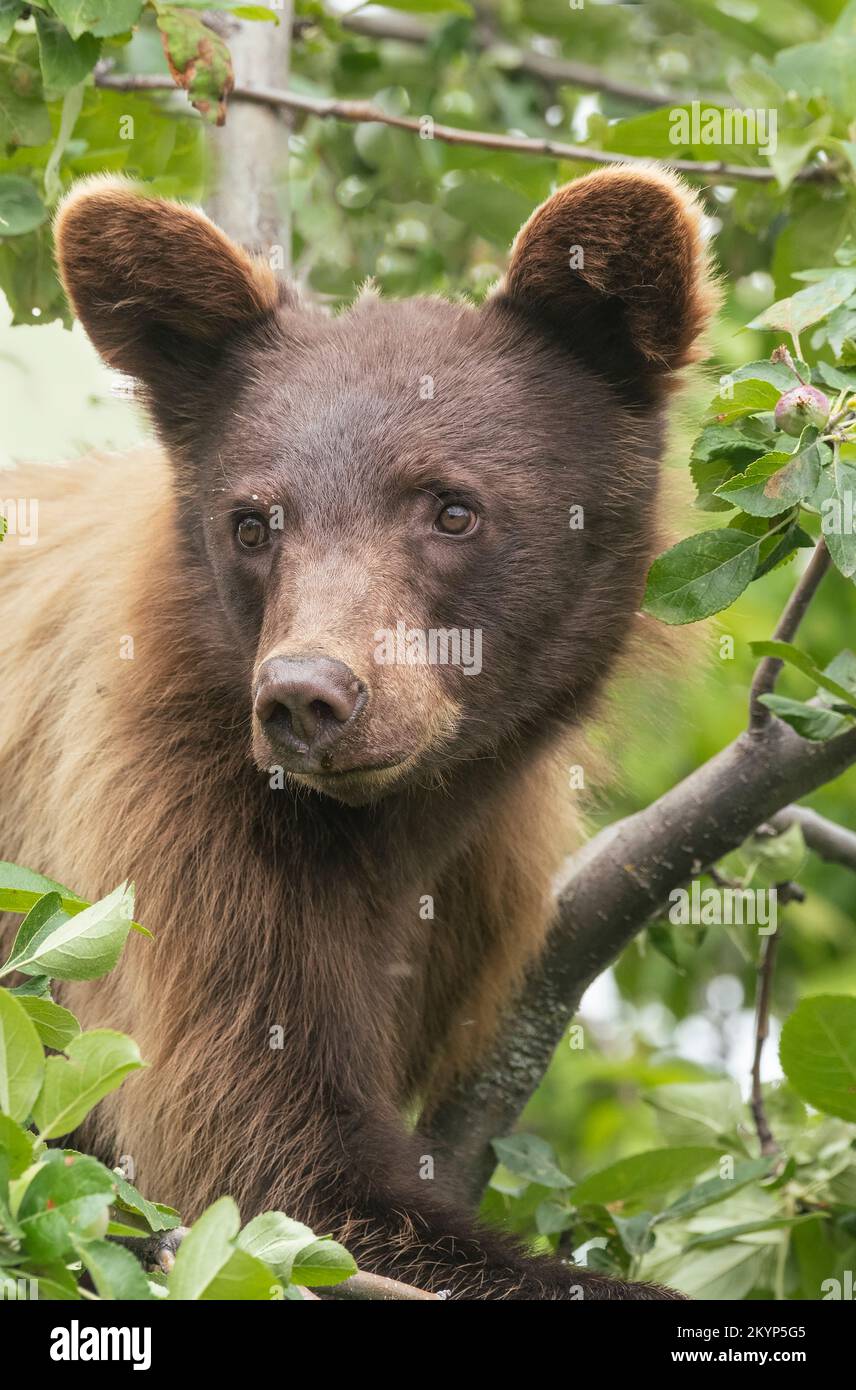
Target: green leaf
{"x":20,"y":890}
{"x":157,"y":1217}
{"x":322,"y":1263}
{"x":813,"y":722}
{"x":719,"y":451}
{"x":745,"y":397}
{"x":255,"y":12}
{"x":701,"y":575}
{"x":554,"y":1215}
{"x":22,"y":1059}
{"x":430,"y":6}
{"x":17,"y":1151}
{"x":808,"y":306}
{"x":714,"y":1190}
{"x":645,"y":1174}
{"x":747,"y":1228}
{"x":82,"y":947}
{"x":710,"y":1110}
{"x":209,"y":1265}
{"x":115,"y":1273}
{"x":818,"y":1053}
{"x":21,"y":208}
{"x":787,"y":652}
{"x":198,"y":60}
{"x":778,"y":374}
{"x":46,"y":912}
{"x":64,"y":61}
{"x":55,"y":1025}
{"x":103,"y":18}
{"x":778,"y":481}
{"x":532,"y":1158}
{"x":37,"y":987}
{"x":826,"y":375}
{"x":726,"y":1272}
{"x":10,"y":11}
{"x":835,"y":499}
{"x":793,"y":148}
{"x":635,"y":1232}
{"x":24,"y":118}
{"x":775,"y":859}
{"x":842,"y":669}
{"x":488,"y":207}
{"x":68,"y":1196}
{"x":276,"y":1240}
{"x":94,"y":1064}
{"x":822,"y":70}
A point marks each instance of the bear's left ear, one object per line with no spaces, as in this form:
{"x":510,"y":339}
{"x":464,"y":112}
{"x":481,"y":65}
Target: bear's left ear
{"x":615,"y":266}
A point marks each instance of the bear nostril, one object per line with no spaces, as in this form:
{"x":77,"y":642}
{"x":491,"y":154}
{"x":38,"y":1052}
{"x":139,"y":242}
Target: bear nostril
{"x":307,"y":699}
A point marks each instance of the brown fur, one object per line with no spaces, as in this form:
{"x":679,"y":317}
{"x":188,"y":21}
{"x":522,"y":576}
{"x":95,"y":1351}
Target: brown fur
{"x":299,"y":907}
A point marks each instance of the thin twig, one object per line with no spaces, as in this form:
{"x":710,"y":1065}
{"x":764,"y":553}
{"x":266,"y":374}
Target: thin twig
{"x":768,"y":670}
{"x":829,"y":841}
{"x":360,"y":112}
{"x":766,"y":969}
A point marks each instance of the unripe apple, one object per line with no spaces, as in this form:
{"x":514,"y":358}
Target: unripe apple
{"x":802,"y":406}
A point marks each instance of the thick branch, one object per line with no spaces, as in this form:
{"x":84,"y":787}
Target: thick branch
{"x":359,"y":112}
{"x":250,"y":199}
{"x":612,"y":887}
{"x":768,"y":670}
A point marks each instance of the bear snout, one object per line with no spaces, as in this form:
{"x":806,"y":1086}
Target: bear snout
{"x":305,"y":703}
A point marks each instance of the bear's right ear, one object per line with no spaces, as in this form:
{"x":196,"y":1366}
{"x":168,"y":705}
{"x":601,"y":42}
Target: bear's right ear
{"x":155,"y":284}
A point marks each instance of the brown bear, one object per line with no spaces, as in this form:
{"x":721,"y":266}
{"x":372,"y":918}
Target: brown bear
{"x":307,"y":672}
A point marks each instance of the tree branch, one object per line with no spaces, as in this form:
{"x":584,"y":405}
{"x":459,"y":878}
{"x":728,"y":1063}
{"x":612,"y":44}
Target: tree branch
{"x":159,"y":1252}
{"x":362,"y":1287}
{"x":611,"y":889}
{"x":829,"y":841}
{"x":766,"y":969}
{"x":360,"y":112}
{"x":405,"y":28}
{"x":250,"y":198}
{"x":768,"y":670}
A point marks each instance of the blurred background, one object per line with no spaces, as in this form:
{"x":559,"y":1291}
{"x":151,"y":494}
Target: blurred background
{"x":421,"y":216}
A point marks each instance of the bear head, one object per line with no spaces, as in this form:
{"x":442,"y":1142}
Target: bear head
{"x":424,"y":526}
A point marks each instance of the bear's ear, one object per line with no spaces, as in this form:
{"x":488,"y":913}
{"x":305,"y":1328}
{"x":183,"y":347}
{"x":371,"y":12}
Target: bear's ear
{"x":156,"y":285}
{"x":614,"y":265}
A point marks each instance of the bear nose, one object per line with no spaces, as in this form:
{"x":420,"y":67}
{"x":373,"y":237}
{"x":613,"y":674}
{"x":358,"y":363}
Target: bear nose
{"x":307,"y":699}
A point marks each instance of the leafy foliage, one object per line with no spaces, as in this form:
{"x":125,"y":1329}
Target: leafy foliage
{"x":61,"y":1211}
{"x":669,"y":1187}
{"x":701,"y":1213}
{"x":780,"y":492}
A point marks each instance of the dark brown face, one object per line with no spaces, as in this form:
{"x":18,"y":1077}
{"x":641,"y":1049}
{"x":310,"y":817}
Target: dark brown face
{"x":391,"y":510}
{"x":422,"y":527}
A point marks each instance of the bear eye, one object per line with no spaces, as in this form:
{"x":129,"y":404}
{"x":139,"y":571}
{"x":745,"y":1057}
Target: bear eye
{"x":252,"y":531}
{"x":456,"y":519}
